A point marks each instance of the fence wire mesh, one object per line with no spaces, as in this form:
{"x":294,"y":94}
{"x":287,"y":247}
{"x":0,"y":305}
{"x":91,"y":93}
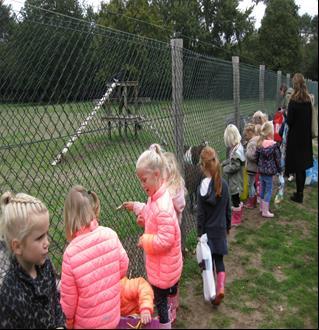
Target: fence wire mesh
{"x":80,"y":102}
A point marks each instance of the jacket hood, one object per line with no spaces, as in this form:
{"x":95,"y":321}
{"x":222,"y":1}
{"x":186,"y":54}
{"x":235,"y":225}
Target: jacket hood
{"x":207,"y":191}
{"x":239,"y":152}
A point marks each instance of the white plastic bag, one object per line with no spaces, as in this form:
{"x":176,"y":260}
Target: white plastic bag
{"x":204,"y":259}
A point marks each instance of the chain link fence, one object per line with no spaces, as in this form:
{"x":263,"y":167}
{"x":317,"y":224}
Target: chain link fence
{"x":79,"y":103}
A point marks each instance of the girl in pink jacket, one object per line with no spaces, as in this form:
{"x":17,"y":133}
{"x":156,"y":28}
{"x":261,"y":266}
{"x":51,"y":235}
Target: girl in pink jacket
{"x":93,"y":264}
{"x":161,"y":240}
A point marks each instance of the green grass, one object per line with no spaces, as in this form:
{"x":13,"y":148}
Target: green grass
{"x":281,"y":291}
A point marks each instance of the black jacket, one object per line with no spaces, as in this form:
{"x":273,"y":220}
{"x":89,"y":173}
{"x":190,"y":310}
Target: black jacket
{"x":214,"y":217}
{"x":29,"y":303}
{"x":299,"y":156}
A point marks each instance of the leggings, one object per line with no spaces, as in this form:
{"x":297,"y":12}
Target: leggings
{"x":235,"y":199}
{"x":161,"y":301}
{"x":300,"y":181}
{"x":219,"y":262}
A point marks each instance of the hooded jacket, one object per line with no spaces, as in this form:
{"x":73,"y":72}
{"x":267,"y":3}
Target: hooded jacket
{"x":214,"y":214}
{"x":268,"y":158}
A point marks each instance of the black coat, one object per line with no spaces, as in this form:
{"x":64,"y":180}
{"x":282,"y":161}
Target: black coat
{"x":214,"y":217}
{"x":299,"y":155}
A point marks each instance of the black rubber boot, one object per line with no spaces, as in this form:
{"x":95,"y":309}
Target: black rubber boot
{"x":297,"y":197}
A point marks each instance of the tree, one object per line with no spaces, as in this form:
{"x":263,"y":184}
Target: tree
{"x":279,"y":41}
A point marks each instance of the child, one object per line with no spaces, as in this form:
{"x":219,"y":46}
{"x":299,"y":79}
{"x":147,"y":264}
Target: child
{"x":251,"y":166}
{"x":233,"y":169}
{"x":28,"y":295}
{"x":214,"y":214}
{"x":137,"y":298}
{"x":161,"y":240}
{"x":93,"y":264}
{"x":175,"y":184}
{"x":248,"y":133}
{"x":268,"y":163}
{"x":259,"y":118}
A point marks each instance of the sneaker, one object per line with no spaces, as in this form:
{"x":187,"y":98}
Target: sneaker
{"x":278,"y":198}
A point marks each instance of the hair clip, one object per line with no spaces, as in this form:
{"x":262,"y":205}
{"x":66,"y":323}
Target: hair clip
{"x":152,"y":147}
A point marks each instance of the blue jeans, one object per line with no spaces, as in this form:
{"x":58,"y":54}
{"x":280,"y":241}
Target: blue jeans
{"x":266,"y":187}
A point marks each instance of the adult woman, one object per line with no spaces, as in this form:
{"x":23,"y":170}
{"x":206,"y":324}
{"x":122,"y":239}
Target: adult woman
{"x":299,"y":141}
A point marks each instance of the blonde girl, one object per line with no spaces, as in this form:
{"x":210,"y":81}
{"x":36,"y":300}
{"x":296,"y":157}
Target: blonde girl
{"x":233,"y":170}
{"x":259,"y":118}
{"x":28,"y":294}
{"x":161,"y":240}
{"x":93,"y":264}
{"x":175,"y":184}
{"x":214,"y":214}
{"x":268,"y":164}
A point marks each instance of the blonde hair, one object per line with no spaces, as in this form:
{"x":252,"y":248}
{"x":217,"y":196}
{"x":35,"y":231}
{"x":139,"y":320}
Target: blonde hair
{"x":174,"y":178}
{"x":210,"y":164}
{"x":80,"y":208}
{"x":232,"y":136}
{"x":152,"y":159}
{"x":16,"y":219}
{"x":249,"y":128}
{"x":266,"y":130}
{"x":257,"y":129}
{"x":300,"y":93}
{"x":259,"y":118}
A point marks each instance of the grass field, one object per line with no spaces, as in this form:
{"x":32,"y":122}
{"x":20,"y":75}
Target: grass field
{"x":272,"y":272}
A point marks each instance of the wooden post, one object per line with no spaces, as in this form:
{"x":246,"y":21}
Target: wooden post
{"x":288,"y":80}
{"x":262,"y":87}
{"x":236,"y":89}
{"x":177,"y":96}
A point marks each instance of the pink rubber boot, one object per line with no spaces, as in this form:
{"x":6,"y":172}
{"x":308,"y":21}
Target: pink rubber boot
{"x":236,"y":216}
{"x":221,"y":278}
{"x":265,"y":213}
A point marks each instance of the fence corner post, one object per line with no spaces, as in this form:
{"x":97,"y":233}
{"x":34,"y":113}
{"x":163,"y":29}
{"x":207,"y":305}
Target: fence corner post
{"x":236,"y":89}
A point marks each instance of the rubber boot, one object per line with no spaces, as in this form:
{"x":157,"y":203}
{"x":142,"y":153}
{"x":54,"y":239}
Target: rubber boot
{"x":173,"y":304}
{"x":261,"y":206}
{"x":241,"y":205}
{"x":167,"y":325}
{"x":236,"y":216}
{"x":221,"y":278}
{"x":265,"y":212}
{"x":250,"y":203}
{"x":297,"y":197}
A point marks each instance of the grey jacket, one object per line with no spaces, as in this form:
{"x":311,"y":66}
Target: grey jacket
{"x":251,"y":163}
{"x":233,"y":170}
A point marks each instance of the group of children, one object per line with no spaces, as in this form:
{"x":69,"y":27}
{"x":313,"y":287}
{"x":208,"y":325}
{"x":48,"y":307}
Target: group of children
{"x":95,"y":291}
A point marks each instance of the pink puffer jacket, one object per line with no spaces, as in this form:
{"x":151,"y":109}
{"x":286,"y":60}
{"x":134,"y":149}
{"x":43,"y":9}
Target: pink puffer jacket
{"x":161,"y":240}
{"x":93,"y":265}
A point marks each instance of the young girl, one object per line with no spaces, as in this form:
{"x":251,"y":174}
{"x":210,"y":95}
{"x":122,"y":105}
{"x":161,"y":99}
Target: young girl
{"x":93,"y":264}
{"x":137,"y":298}
{"x":175,"y":184}
{"x":214,"y":214}
{"x":251,"y":166}
{"x":161,"y":240}
{"x":233,"y":169}
{"x":268,"y":163}
{"x":28,"y":295}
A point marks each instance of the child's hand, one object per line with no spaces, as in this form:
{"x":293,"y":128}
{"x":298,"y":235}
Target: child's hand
{"x":146,"y":317}
{"x":140,"y":221}
{"x":128,"y":205}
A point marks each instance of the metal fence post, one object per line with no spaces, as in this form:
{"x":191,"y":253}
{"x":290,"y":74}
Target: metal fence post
{"x":177,"y":96}
{"x":236,"y":89}
{"x":278,"y":87}
{"x":262,"y":87}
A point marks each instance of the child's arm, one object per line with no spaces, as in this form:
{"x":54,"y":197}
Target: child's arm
{"x":228,"y":212}
{"x":69,"y":293}
{"x":179,"y":201}
{"x":233,"y":166}
{"x":137,"y":208}
{"x":200,"y":215}
{"x":145,"y":295}
{"x":163,"y":239}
